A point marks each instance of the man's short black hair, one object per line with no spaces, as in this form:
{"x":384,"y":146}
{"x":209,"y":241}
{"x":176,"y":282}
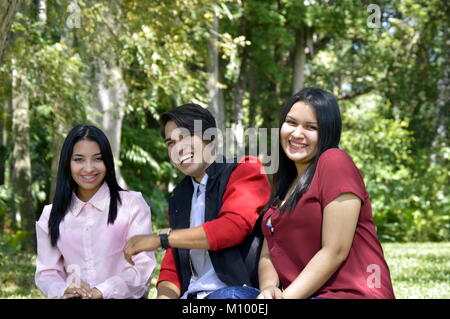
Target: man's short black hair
{"x":185,"y":115}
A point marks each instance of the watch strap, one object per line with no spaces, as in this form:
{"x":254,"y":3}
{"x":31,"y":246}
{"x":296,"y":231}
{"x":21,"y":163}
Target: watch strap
{"x":164,"y":237}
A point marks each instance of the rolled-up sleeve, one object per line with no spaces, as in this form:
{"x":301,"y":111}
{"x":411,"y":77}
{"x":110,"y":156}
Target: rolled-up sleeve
{"x":133,"y":281}
{"x":50,"y":276}
{"x":247,"y":192}
{"x":168,"y":270}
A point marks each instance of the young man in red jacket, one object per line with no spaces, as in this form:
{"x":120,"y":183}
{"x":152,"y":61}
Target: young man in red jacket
{"x":212,"y":245}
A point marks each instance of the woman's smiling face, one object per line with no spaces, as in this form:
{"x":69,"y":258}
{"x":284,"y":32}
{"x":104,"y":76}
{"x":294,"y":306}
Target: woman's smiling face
{"x":87,"y":168}
{"x":299,"y":135}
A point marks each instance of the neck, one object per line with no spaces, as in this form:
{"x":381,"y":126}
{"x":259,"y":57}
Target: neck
{"x":199,"y":177}
{"x":86,"y":194}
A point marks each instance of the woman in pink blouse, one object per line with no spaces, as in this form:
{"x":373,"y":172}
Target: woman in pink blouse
{"x":320,"y":238}
{"x":81,"y":235}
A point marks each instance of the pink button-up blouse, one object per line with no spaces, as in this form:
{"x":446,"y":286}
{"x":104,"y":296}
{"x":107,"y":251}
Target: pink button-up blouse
{"x":91,"y":250}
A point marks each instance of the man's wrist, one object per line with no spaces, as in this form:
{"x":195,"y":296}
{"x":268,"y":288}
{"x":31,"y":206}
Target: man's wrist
{"x":163,"y":235}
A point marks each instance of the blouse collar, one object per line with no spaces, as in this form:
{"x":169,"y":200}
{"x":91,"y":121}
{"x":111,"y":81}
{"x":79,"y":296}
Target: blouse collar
{"x":99,"y":200}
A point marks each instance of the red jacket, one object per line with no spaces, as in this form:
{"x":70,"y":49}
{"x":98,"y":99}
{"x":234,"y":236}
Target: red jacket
{"x":247,"y":192}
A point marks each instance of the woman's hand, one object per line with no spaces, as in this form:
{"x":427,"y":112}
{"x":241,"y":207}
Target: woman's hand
{"x":271,"y":292}
{"x":82,"y":290}
{"x":96,"y":294}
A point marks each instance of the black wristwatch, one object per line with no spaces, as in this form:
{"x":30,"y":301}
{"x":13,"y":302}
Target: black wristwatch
{"x":164,"y":237}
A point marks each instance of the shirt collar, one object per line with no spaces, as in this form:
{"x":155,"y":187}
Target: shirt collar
{"x":202,"y":183}
{"x":99,"y":200}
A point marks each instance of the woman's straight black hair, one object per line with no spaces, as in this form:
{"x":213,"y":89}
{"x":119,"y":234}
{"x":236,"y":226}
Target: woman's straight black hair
{"x":65,"y":185}
{"x":329,"y":135}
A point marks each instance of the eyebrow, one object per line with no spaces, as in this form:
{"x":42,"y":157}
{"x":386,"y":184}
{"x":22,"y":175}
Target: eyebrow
{"x":81,"y":155}
{"x":309,"y":122}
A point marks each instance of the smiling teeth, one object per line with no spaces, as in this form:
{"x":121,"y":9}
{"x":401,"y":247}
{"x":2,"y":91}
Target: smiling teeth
{"x":185,"y":158}
{"x":298,"y":145}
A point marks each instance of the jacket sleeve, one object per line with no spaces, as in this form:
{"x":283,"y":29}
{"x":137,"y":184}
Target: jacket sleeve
{"x":247,"y":192}
{"x":168,"y":271}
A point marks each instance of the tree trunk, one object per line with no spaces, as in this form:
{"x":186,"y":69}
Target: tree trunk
{"x":238,"y":109}
{"x":110,"y":91}
{"x":303,"y":40}
{"x":60,"y":128}
{"x":299,"y":61}
{"x":254,"y":95}
{"x":59,"y":132}
{"x":8,"y":10}
{"x":215,"y":93}
{"x":441,"y":108}
{"x":3,"y":139}
{"x":42,"y":11}
{"x":21,"y":174}
{"x":111,"y":94}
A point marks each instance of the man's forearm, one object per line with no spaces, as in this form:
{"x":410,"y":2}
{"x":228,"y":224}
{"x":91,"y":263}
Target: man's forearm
{"x":168,"y":290}
{"x":189,"y":238}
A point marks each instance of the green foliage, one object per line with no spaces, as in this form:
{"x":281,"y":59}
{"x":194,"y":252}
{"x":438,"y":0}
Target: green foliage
{"x":407,"y":194}
{"x":389,"y":82}
{"x":141,"y":149}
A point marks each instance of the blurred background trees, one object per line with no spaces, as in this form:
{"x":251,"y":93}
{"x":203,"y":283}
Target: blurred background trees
{"x":120,"y":64}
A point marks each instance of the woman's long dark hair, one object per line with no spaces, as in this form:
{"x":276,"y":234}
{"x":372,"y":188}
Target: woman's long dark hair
{"x":329,"y":135}
{"x":65,"y":184}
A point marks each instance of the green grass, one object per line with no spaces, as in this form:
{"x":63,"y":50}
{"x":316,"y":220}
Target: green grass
{"x":17,"y":276}
{"x":418,"y":270}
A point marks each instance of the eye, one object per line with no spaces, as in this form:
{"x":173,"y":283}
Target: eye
{"x":311,"y":127}
{"x":290,"y":122}
{"x":99,"y":159}
{"x":78,"y":159}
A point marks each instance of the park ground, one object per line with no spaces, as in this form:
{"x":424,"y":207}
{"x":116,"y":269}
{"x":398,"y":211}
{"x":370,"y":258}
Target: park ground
{"x":418,"y":270}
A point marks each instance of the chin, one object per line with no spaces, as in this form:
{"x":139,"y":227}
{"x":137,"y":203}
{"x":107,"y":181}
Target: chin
{"x":87,"y":186}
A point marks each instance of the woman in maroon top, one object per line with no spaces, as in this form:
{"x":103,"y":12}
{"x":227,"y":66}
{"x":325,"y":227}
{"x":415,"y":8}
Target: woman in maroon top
{"x":320,"y":239}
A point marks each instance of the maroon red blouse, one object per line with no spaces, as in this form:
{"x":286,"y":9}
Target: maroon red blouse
{"x":296,"y":236}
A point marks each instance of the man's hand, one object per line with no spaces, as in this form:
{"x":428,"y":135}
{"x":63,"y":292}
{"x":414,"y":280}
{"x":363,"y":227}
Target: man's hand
{"x":140,"y":243}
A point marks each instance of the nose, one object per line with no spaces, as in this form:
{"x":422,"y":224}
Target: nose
{"x":298,"y":132}
{"x":184,"y":146}
{"x":89,"y":166}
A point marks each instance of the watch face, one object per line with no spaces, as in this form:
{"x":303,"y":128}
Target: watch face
{"x":165,"y":231}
